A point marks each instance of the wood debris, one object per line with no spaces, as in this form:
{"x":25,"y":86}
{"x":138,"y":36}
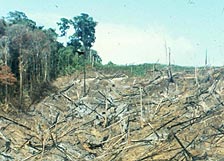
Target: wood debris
{"x":122,"y":118}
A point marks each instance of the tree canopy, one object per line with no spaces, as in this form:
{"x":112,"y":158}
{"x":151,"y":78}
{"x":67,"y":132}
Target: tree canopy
{"x":82,"y":38}
{"x":84,"y":30}
{"x":31,"y":56}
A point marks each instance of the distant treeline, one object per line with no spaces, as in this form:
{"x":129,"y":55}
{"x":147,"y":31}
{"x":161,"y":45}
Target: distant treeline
{"x":141,"y":69}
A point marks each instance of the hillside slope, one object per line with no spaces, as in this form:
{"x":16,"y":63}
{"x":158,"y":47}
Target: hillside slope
{"x":122,"y":118}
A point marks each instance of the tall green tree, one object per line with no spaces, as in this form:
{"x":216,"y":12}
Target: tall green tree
{"x":83,"y":36}
{"x":84,"y":26}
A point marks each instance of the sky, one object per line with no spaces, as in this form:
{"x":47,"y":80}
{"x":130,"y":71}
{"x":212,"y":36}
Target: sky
{"x":143,"y":31}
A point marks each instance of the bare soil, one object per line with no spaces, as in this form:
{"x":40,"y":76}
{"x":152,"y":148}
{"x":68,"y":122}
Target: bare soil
{"x":121,"y":118}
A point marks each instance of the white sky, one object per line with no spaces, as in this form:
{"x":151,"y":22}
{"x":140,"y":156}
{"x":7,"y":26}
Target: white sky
{"x":132,"y":32}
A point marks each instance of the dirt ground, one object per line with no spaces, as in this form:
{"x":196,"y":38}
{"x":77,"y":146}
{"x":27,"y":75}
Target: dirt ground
{"x":121,"y":118}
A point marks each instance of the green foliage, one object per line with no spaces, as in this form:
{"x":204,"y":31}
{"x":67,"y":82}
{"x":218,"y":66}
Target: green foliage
{"x":84,"y":26}
{"x":131,"y":70}
{"x":139,"y":70}
{"x":64,"y":25}
{"x":31,"y":53}
{"x":18,"y":17}
{"x":79,"y":43}
{"x":111,"y":64}
{"x":35,"y":58}
{"x":70,"y":60}
{"x":66,"y":55}
{"x":2,"y":27}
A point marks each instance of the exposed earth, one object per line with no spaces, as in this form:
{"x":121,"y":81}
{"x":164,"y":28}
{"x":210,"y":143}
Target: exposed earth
{"x":121,"y":118}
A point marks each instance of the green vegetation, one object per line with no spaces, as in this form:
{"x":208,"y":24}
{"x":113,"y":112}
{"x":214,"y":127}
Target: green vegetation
{"x":140,"y":69}
{"x":31,"y":57}
{"x":82,"y":38}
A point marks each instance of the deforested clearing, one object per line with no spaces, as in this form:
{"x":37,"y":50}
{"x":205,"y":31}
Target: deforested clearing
{"x":121,"y":117}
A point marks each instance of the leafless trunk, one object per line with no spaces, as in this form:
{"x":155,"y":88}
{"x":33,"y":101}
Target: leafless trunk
{"x":169,"y":68}
{"x":195,"y":75}
{"x":46,"y":69}
{"x":6,"y":59}
{"x":84,"y":72}
{"x":141,"y":105}
{"x":20,"y":76}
